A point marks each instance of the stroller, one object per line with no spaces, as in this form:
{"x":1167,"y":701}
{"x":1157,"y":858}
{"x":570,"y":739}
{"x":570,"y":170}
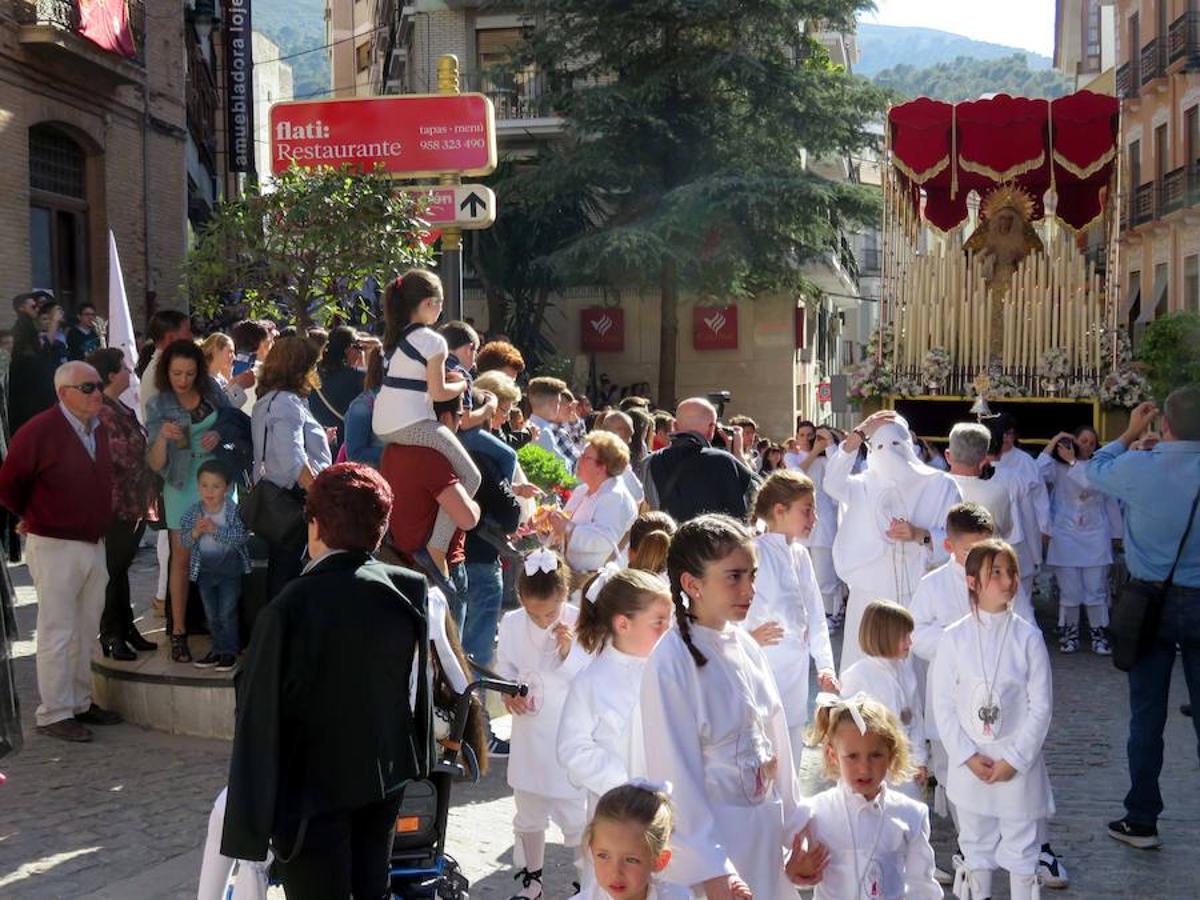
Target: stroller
{"x":421,"y":869}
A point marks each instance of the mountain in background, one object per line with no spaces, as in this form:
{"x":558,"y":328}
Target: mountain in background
{"x":296,"y":26}
{"x":968,"y":79}
{"x":887,"y":46}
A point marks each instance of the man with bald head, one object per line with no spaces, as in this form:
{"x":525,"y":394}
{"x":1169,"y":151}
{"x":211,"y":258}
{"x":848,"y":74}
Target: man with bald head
{"x":689,"y":476}
{"x":58,"y":480}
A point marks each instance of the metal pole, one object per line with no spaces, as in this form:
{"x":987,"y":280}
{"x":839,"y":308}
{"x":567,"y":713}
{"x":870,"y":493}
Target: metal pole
{"x":452,"y":269}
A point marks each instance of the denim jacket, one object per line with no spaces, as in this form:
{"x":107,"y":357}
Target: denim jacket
{"x":163,"y":407}
{"x":233,"y":533}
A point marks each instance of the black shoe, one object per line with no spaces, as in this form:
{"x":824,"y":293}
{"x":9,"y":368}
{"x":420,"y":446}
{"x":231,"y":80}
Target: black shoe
{"x":94,"y":715}
{"x":210,"y":660}
{"x":1143,"y":837}
{"x":117,"y":649}
{"x":179,"y":649}
{"x":1186,"y":710}
{"x":67,"y":730}
{"x":135,"y":640}
{"x":226,"y":662}
{"x":498,"y":748}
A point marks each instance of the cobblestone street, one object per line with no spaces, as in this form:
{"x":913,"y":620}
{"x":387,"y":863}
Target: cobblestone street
{"x":125,"y":816}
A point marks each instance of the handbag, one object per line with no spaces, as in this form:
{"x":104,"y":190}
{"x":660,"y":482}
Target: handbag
{"x":274,"y":513}
{"x":1133,"y":625}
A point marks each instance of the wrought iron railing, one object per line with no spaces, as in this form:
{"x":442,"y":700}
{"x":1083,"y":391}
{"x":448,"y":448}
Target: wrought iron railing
{"x":1127,"y":81}
{"x":1153,"y":61}
{"x":1183,"y":40}
{"x":1143,"y":204}
{"x":64,"y":15}
{"x":519,"y":95}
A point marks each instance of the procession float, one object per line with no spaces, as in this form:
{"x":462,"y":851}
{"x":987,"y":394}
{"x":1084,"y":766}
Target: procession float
{"x":1000,"y":266}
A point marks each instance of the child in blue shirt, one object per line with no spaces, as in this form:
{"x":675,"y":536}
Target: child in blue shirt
{"x":213,"y":532}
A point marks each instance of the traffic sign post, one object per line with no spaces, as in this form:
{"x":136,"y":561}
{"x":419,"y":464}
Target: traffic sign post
{"x":452,"y":277}
{"x":470,"y":207}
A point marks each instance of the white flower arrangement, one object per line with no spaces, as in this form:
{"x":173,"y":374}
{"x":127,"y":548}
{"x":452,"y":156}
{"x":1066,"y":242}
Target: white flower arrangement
{"x":1081,"y":389}
{"x":936,"y":367}
{"x":1125,"y":388}
{"x":908,"y":386}
{"x":1054,"y":367}
{"x":873,"y":377}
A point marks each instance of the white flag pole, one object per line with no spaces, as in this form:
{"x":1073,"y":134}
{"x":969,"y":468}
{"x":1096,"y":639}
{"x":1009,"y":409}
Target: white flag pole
{"x":120,"y":323}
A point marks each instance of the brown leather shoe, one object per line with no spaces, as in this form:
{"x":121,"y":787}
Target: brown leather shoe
{"x":67,"y":730}
{"x":94,"y":715}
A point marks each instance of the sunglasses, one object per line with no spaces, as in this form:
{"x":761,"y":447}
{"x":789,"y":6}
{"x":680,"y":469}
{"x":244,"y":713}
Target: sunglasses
{"x":88,"y":387}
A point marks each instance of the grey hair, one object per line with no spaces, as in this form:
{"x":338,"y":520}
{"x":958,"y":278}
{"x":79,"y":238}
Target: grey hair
{"x":70,"y":373}
{"x":969,"y":443}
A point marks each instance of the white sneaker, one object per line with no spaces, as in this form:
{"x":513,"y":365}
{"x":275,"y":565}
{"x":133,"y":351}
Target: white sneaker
{"x":1068,"y":641}
{"x":1053,"y":873}
{"x":1100,"y":643}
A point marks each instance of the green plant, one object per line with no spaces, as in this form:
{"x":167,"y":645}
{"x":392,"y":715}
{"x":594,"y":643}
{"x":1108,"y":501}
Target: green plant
{"x":1170,"y":352}
{"x":544,"y":469}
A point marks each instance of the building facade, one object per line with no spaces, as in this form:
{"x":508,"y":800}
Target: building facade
{"x":1158,"y":80}
{"x":1085,"y":42}
{"x":272,"y":84}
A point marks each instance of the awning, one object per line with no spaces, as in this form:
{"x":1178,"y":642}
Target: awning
{"x":1149,"y":312}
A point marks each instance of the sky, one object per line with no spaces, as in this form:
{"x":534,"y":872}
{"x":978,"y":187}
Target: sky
{"x":1027,"y":24}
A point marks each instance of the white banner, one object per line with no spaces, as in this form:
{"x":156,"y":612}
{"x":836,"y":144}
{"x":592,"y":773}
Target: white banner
{"x":120,"y":324}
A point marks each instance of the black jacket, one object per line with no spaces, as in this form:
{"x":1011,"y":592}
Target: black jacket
{"x":323,"y":719}
{"x":500,"y":513}
{"x":689,"y":478}
{"x":339,"y":387}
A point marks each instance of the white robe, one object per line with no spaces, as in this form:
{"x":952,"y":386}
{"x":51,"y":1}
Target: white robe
{"x":1023,"y":692}
{"x":1083,"y":521}
{"x":710,"y":730}
{"x":786,"y":591}
{"x":1033,"y":504}
{"x":595,"y":734}
{"x":659,"y":890}
{"x":599,"y":522}
{"x":941,"y":600}
{"x":892,"y":682}
{"x":896,"y":826}
{"x":529,"y":654}
{"x":874,"y":566}
{"x":826,"y":528}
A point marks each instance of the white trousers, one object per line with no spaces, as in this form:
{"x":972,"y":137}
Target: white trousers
{"x":535,"y":813}
{"x":70,"y":577}
{"x":250,"y":879}
{"x":1023,"y":602}
{"x":832,"y":590}
{"x":1083,"y":586}
{"x":988,"y":842}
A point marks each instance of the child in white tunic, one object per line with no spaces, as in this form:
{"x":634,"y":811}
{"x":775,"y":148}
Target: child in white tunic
{"x":537,"y":646}
{"x":886,"y":674}
{"x":864,"y":840}
{"x":787,"y":617}
{"x":713,"y":722}
{"x":628,"y":842}
{"x":992,"y":699}
{"x":623,"y":615}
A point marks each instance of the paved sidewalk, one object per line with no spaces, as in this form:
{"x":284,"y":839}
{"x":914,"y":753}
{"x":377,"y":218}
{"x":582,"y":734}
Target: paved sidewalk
{"x":124,"y":817}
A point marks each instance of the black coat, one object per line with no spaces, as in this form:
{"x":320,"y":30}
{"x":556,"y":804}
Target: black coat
{"x":690,"y":477}
{"x":323,"y":720}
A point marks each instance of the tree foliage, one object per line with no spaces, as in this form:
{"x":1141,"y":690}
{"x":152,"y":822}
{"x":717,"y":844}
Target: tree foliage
{"x":298,"y":28}
{"x":967,"y":79}
{"x":302,"y":252}
{"x":689,"y":121}
{"x":1170,"y":351}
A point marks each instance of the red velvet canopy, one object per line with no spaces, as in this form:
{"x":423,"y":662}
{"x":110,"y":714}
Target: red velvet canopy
{"x":948,"y":150}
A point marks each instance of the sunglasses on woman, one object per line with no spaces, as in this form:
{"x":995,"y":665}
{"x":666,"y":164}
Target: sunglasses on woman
{"x":88,"y":387}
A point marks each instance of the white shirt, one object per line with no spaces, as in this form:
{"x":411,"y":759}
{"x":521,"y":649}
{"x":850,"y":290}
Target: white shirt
{"x":711,"y":731}
{"x":941,"y":599}
{"x":659,"y":890}
{"x":792,"y":460}
{"x":1033,"y":502}
{"x":786,"y":591}
{"x":630,"y":480}
{"x":992,"y":494}
{"x":1004,"y":652}
{"x":600,"y":521}
{"x":893,"y":682}
{"x":1083,"y":521}
{"x":86,"y":431}
{"x":397,"y":408}
{"x":529,"y":654}
{"x":595,"y":734}
{"x":877,"y":848}
{"x":826,"y":528}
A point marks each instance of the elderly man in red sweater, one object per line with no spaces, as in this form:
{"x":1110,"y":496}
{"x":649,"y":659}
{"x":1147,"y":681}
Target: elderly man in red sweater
{"x":58,"y":480}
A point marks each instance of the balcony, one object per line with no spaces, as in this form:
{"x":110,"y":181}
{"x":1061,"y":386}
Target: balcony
{"x":1183,"y":41}
{"x":1143,"y":204}
{"x":51,"y":28}
{"x":521,"y":101}
{"x":1153,"y":61}
{"x":1127,"y":81}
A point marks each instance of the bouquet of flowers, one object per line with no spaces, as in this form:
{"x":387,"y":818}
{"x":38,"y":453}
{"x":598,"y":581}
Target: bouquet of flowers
{"x":1081,"y":389}
{"x":936,"y":367}
{"x":999,"y":384}
{"x":873,"y":377}
{"x":908,"y":386}
{"x":1054,"y":367}
{"x":1126,"y":388}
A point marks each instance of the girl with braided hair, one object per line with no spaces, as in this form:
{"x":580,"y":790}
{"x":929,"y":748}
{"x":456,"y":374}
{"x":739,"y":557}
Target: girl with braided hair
{"x":714,"y":725}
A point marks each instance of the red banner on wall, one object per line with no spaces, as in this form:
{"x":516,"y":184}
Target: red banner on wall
{"x":602,"y":329}
{"x":106,"y":24}
{"x":715,"y":327}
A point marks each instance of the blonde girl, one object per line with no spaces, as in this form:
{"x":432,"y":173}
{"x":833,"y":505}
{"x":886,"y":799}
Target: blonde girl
{"x":649,"y":540}
{"x":860,"y":837}
{"x":628,"y":840}
{"x":787,"y":617}
{"x":992,"y":701}
{"x":886,"y":673}
{"x":713,"y":722}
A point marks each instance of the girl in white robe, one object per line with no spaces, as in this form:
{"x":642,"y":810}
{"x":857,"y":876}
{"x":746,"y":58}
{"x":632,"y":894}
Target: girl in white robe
{"x":1083,"y":525}
{"x":622,"y":617}
{"x":992,"y":700}
{"x":628,"y":842}
{"x":537,"y":646}
{"x":886,"y":674}
{"x":714,"y":725}
{"x":864,"y":839}
{"x":820,"y":541}
{"x":787,"y":617}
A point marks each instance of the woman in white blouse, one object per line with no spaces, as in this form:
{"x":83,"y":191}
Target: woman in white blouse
{"x":598,"y":516}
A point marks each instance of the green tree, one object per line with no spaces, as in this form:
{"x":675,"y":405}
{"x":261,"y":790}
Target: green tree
{"x":967,"y":79}
{"x":1170,"y":351}
{"x":301,"y":251}
{"x":689,"y":121}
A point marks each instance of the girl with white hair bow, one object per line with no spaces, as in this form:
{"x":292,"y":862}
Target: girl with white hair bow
{"x":894,"y":519}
